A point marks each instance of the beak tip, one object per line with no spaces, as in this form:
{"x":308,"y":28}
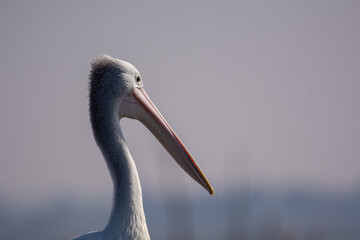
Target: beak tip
{"x":211,"y":191}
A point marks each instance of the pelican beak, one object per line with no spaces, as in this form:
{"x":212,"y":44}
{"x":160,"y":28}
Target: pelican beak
{"x":138,"y":105}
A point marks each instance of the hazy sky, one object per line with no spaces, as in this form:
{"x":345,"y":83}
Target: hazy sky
{"x":263,"y":94}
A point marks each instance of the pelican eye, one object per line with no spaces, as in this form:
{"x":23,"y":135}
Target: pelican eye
{"x":138,"y":79}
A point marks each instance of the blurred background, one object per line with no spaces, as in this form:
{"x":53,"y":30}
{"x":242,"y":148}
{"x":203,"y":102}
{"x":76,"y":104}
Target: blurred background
{"x":264,"y":94}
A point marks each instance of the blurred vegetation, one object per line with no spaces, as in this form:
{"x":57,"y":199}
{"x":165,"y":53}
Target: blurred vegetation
{"x":246,"y":215}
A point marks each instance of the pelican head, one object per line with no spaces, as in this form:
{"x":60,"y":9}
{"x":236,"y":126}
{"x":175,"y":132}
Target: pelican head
{"x":116,"y":91}
{"x":117,"y":87}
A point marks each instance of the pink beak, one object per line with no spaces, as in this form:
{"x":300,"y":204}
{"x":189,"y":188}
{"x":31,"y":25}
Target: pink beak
{"x":139,"y":106}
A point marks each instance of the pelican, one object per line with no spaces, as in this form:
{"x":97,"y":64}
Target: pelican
{"x":116,"y":91}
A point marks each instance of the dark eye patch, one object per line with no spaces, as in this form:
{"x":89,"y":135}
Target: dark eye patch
{"x":138,"y":79}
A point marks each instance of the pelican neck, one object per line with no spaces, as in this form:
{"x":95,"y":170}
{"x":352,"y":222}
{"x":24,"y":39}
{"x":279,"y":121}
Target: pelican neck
{"x":127,"y":219}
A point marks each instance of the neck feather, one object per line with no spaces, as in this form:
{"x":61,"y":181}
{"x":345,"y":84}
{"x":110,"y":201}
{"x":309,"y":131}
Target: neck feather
{"x":127,"y":220}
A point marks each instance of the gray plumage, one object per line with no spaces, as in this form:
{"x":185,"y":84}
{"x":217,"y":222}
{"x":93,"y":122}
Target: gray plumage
{"x":110,"y":80}
{"x":116,"y":91}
